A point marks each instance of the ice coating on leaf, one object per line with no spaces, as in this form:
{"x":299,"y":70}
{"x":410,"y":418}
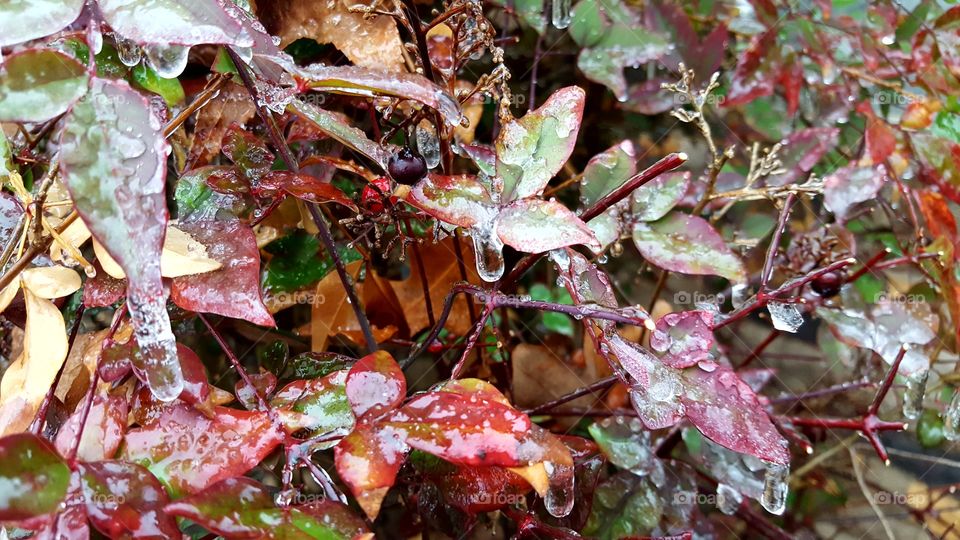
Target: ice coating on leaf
{"x":851,"y":185}
{"x":626,"y":444}
{"x":655,"y":394}
{"x":951,"y":418}
{"x":368,"y":460}
{"x":375,"y":382}
{"x":728,"y":499}
{"x":560,"y":13}
{"x":583,"y":280}
{"x":913,"y":395}
{"x":323,"y":400}
{"x":654,"y":199}
{"x":742,"y":472}
{"x":34,"y":477}
{"x":460,"y":200}
{"x":366,"y":82}
{"x":530,"y":150}
{"x":535,"y":226}
{"x":128,"y":51}
{"x":25,"y":20}
{"x":121,"y":497}
{"x":683,"y":338}
{"x":607,"y":171}
{"x":168,"y":22}
{"x":168,"y":61}
{"x":687,"y":244}
{"x":39,"y":84}
{"x":428,"y":144}
{"x":337,"y":128}
{"x":113,"y":158}
{"x":785,"y":316}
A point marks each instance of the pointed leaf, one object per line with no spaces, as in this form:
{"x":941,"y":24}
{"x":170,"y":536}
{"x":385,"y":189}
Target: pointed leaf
{"x":654,"y":199}
{"x":124,"y":500}
{"x":166,"y":22}
{"x":304,"y":186}
{"x":39,"y":84}
{"x":33,"y":476}
{"x":687,"y":244}
{"x":113,"y":158}
{"x":535,"y":226}
{"x":368,"y":460}
{"x":683,"y":338}
{"x":607,"y":171}
{"x":459,"y":200}
{"x":375,"y":382}
{"x":103,"y":428}
{"x":532,"y":149}
{"x":337,"y":128}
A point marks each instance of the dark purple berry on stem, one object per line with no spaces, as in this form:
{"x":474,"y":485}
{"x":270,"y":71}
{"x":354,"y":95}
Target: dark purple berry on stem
{"x":407,"y":167}
{"x":827,"y":285}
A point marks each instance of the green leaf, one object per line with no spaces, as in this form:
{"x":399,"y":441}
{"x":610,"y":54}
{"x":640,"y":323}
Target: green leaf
{"x":25,"y":20}
{"x":297,"y":262}
{"x":612,"y":38}
{"x":39,"y":84}
{"x":33,"y":477}
{"x":624,"y":505}
{"x":531,"y":11}
{"x":654,"y":199}
{"x":113,"y":157}
{"x":947,"y":125}
{"x":323,"y":400}
{"x":607,"y":171}
{"x":930,"y":429}
{"x":687,"y":244}
{"x":169,"y":89}
{"x":532,"y":149}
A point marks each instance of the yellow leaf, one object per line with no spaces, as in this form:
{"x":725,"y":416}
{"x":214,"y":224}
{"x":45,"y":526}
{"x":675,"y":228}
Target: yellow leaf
{"x":536,"y":475}
{"x":76,"y":234}
{"x":181,"y":256}
{"x":27,"y":380}
{"x":51,"y":281}
{"x":8,"y":294}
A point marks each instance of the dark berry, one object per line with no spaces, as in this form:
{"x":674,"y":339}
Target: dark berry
{"x":407,"y":167}
{"x":371,"y":199}
{"x":827,"y":285}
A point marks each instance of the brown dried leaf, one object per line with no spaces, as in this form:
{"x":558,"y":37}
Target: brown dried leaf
{"x":231,"y":106}
{"x":539,"y":376}
{"x":331,"y":314}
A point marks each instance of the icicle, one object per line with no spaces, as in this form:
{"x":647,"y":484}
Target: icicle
{"x":94,"y":36}
{"x":559,"y":498}
{"x":129,"y":52}
{"x":168,"y":61}
{"x":739,"y":294}
{"x":489,"y":252}
{"x":785,"y":317}
{"x":158,"y":346}
{"x":951,"y":419}
{"x":728,"y":499}
{"x":428,"y":144}
{"x":774,"y":498}
{"x":561,"y":13}
{"x":913,"y":396}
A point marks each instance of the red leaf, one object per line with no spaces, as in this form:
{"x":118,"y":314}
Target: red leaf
{"x":940,"y":220}
{"x":536,"y":226}
{"x":683,"y":338}
{"x":232,"y":290}
{"x":103,"y":430}
{"x":303,"y":186}
{"x":460,"y":200}
{"x":752,"y":77}
{"x":851,"y":185}
{"x":124,"y":500}
{"x":802,"y":150}
{"x":102,"y":290}
{"x":188,"y":451}
{"x":368,"y":461}
{"x":375,"y":382}
{"x":880,"y":140}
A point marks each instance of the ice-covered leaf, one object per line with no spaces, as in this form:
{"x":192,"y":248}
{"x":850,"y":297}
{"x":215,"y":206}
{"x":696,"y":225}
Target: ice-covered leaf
{"x":323,"y":400}
{"x":233,"y":290}
{"x":725,"y":409}
{"x":654,"y":199}
{"x":530,"y":150}
{"x":880,"y":140}
{"x":801,"y":151}
{"x":188,"y":451}
{"x":586,"y":283}
{"x":535,"y":226}
{"x":375,"y":383}
{"x":607,"y":171}
{"x":24,"y":20}
{"x":303,"y":186}
{"x":368,"y":460}
{"x":102,"y":432}
{"x":702,"y":56}
{"x":244,"y":508}
{"x":123,"y":500}
{"x":683,"y":338}
{"x":461,"y":200}
{"x":612,"y":38}
{"x":167,"y":22}
{"x":338,"y":129}
{"x":27,"y":380}
{"x":39,"y":84}
{"x":626,"y":444}
{"x":360,"y":81}
{"x":851,"y":185}
{"x":631,"y":506}
{"x":785,"y":316}
{"x":113,"y":158}
{"x":33,"y":477}
{"x":687,"y":244}
{"x":656,"y":389}
{"x":471,"y":489}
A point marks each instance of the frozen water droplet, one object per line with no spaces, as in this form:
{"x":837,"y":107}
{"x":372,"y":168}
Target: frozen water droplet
{"x":94,"y":36}
{"x":728,"y":499}
{"x":489,"y":252}
{"x":560,"y":14}
{"x":913,"y":396}
{"x":774,"y":498}
{"x":129,"y":52}
{"x":158,"y":346}
{"x":428,"y":144}
{"x":951,"y":418}
{"x":245,"y":53}
{"x":785,"y":317}
{"x":168,"y":61}
{"x":739,"y":294}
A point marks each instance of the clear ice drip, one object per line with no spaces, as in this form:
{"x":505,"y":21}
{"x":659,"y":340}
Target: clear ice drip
{"x":913,"y":396}
{"x":774,"y":498}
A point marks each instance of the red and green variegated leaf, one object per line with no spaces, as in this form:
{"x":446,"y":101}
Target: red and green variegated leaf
{"x":113,"y":158}
{"x":850,"y":186}
{"x":361,"y":81}
{"x":263,"y":384}
{"x":323,"y":400}
{"x":31,"y":19}
{"x":801,"y":151}
{"x":123,"y":500}
{"x":725,"y":409}
{"x":304,"y":186}
{"x":607,"y":171}
{"x":683,"y":339}
{"x":233,"y":290}
{"x":368,"y":460}
{"x":39,"y":84}
{"x":248,"y":152}
{"x":102,"y":432}
{"x":338,"y":129}
{"x":375,"y":383}
{"x":34,"y":477}
{"x":535,"y":226}
{"x":167,"y":22}
{"x":530,"y":150}
{"x":655,"y":388}
{"x":188,"y":451}
{"x":475,"y":387}
{"x":687,"y":244}
{"x":586,"y":283}
{"x":471,"y":489}
{"x":243,"y":508}
{"x":462,"y":428}
{"x":461,"y":200}
{"x":654,"y":199}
